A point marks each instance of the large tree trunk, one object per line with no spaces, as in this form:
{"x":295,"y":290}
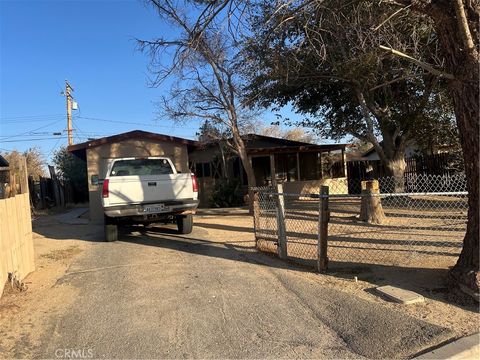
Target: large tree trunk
{"x":462,"y":61}
{"x":392,"y":157}
{"x":466,"y":272}
{"x":224,"y":161}
{"x":396,"y":170}
{"x":242,"y":153}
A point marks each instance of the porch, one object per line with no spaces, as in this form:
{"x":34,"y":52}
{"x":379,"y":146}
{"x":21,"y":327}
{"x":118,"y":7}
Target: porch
{"x":300,"y":167}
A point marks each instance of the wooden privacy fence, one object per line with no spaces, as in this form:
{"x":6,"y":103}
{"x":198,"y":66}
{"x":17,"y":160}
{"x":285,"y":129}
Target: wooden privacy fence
{"x":16,"y":244}
{"x":446,"y":165}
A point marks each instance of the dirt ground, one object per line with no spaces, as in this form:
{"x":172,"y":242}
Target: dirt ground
{"x":418,"y":231}
{"x":23,"y":313}
{"x":456,"y":313}
{"x":58,"y":246}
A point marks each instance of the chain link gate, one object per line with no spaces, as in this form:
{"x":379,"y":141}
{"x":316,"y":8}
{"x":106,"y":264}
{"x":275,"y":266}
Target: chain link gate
{"x":424,"y":228}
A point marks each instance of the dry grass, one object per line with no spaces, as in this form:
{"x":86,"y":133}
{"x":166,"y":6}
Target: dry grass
{"x":62,"y":254}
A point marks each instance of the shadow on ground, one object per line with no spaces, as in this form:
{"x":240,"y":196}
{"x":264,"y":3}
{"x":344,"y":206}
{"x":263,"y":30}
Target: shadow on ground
{"x":431,"y":283}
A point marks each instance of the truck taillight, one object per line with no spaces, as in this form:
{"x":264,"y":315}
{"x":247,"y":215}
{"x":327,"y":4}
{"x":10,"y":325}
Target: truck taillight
{"x":194,"y":183}
{"x":105,"y":188}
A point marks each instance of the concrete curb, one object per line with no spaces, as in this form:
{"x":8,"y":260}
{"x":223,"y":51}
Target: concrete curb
{"x":222,"y":211}
{"x":464,"y":348}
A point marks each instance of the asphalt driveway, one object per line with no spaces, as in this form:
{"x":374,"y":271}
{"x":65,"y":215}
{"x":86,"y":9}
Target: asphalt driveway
{"x":157,"y":294}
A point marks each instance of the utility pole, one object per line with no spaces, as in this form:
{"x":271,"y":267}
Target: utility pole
{"x":68,"y":89}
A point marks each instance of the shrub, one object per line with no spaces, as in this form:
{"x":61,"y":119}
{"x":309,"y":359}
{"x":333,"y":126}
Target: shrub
{"x":227,"y":193}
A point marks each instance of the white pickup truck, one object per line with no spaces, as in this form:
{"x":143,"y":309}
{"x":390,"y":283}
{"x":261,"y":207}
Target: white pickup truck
{"x":147,"y":190}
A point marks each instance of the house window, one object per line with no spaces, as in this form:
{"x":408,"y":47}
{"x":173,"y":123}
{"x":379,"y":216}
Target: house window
{"x":239,"y":171}
{"x":309,"y":166}
{"x":199,"y":170}
{"x":206,"y":169}
{"x":203,"y":170}
{"x":332,"y":164}
{"x":286,"y":167}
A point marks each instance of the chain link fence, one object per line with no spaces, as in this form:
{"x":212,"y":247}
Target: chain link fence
{"x":419,"y":226}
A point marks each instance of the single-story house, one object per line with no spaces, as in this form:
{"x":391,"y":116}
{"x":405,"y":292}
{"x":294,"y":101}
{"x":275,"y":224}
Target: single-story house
{"x":99,"y":153}
{"x":411,"y":150}
{"x":436,"y":161}
{"x":3,"y":162}
{"x":4,"y":175}
{"x":301,"y":167}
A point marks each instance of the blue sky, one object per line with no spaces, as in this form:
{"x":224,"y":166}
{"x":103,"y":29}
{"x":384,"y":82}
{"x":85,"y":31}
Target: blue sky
{"x":90,"y":43}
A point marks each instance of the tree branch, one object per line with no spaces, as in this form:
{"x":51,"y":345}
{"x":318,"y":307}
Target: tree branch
{"x":391,"y":16}
{"x":464,"y":29}
{"x":423,"y":65}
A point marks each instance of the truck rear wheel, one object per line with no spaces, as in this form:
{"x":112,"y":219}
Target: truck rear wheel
{"x":111,"y":230}
{"x":185,"y":224}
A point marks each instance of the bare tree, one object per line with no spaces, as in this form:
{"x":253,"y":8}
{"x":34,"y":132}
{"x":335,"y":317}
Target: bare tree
{"x":34,"y":158}
{"x":295,"y":134}
{"x":203,"y":59}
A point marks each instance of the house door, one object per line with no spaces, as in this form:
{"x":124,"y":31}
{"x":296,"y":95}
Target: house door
{"x":262,"y":171}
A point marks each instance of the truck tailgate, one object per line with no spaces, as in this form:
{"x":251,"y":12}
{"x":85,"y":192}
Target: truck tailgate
{"x":149,"y":188}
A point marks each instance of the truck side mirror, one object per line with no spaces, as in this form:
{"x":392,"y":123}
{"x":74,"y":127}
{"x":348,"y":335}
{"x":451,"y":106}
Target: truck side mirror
{"x":94,"y":180}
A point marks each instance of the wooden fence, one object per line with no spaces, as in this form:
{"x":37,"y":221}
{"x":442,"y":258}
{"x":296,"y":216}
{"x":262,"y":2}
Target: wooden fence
{"x":16,"y":244}
{"x":437,"y":164}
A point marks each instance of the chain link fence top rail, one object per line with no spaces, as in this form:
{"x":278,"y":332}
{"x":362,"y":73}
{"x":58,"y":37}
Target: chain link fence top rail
{"x":423,"y":227}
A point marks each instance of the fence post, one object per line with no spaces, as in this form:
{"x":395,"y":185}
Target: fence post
{"x":43,"y":193}
{"x":256,"y":215}
{"x":282,"y":232}
{"x":324,"y":218}
{"x":23,"y":173}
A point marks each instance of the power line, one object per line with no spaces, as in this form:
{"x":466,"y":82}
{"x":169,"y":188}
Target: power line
{"x":39,"y":139}
{"x":28,"y":116}
{"x":30,"y":131}
{"x":36,"y":133}
{"x":131,"y":123}
{"x":28,"y":119}
{"x":54,"y":147}
{"x":86,"y":134}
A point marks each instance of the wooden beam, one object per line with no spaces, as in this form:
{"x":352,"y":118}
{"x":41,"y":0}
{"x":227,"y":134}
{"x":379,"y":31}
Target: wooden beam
{"x":273,"y":174}
{"x":298,"y":166}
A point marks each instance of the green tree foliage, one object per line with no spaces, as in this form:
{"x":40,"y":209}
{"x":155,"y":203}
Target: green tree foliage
{"x":227,"y":193}
{"x":324,"y":58}
{"x":72,"y":169}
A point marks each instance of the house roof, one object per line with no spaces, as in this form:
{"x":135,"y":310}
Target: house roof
{"x":254,"y":140}
{"x":371,"y":150}
{"x":3,"y":162}
{"x":79,"y":149}
{"x":262,"y":144}
{"x":135,"y":134}
{"x":296,"y":148}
